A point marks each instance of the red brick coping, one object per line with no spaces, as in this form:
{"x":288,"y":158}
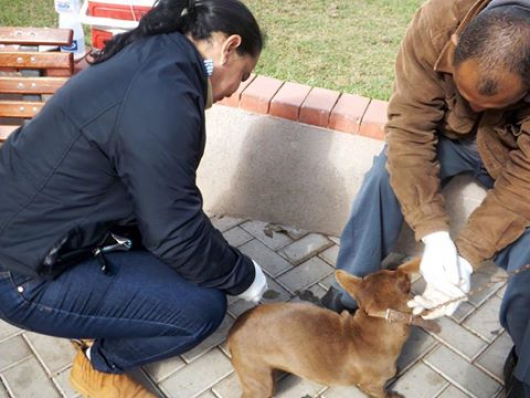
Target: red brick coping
{"x":311,"y":105}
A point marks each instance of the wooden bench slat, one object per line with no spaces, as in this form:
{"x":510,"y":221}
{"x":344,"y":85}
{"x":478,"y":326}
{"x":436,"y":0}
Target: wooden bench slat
{"x":23,"y":109}
{"x":5,"y":131}
{"x":34,"y":60}
{"x":31,"y":85}
{"x":46,"y":36}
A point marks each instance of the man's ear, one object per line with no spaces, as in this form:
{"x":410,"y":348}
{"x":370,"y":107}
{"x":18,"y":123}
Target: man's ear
{"x":350,"y":283}
{"x":230,"y":45}
{"x":454,"y":39}
{"x":411,"y":267}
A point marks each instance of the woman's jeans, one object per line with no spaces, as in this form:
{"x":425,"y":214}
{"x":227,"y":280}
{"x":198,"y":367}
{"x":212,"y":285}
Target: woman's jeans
{"x":375,"y":224}
{"x":139,"y":310}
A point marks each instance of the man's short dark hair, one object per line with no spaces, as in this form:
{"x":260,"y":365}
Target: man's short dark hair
{"x":499,"y":40}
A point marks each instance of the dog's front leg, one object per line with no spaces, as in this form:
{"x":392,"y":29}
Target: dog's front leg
{"x":256,"y":379}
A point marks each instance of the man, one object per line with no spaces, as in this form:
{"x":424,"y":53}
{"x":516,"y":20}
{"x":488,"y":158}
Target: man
{"x":459,"y":106}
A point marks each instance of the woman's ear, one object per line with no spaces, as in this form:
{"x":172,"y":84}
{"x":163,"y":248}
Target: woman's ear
{"x":229,"y":48}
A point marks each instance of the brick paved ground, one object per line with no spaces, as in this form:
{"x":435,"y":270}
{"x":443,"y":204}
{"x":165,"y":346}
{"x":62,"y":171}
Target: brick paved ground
{"x":464,"y":360}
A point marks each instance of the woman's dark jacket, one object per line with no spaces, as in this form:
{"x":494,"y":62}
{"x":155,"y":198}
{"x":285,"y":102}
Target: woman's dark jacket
{"x":118,"y":145}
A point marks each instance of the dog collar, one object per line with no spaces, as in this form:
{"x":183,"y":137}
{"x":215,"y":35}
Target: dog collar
{"x":393,"y":316}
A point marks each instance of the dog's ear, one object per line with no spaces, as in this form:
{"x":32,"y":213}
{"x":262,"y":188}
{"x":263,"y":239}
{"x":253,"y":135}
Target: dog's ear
{"x":349,"y":282}
{"x":410,"y":267}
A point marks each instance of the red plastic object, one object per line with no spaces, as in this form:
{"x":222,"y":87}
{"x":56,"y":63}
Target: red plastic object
{"x":117,"y":11}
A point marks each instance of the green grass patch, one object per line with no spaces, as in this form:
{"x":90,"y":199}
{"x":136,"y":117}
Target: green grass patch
{"x":37,"y":13}
{"x":344,"y":45}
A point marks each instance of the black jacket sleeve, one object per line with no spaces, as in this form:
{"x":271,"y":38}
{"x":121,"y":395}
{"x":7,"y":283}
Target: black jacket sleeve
{"x":157,"y":145}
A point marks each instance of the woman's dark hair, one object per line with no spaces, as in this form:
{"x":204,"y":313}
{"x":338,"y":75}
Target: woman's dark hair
{"x":199,"y":18}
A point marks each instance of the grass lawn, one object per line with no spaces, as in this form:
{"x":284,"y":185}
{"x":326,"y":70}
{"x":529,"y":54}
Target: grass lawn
{"x":344,"y":45}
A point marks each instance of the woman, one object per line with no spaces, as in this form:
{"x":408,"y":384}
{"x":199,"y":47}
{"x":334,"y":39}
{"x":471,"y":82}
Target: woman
{"x":102,"y":233}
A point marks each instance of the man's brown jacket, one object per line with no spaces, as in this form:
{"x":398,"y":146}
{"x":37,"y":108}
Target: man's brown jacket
{"x":425,"y":103}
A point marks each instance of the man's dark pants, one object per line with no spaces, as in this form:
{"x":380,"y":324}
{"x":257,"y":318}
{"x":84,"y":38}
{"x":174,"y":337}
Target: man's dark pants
{"x":376,"y":220}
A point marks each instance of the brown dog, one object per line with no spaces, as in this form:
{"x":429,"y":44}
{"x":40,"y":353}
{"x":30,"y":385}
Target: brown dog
{"x":328,"y":348}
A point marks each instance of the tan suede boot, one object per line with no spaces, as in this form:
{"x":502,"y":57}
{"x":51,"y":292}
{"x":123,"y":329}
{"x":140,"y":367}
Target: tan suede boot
{"x":91,"y":383}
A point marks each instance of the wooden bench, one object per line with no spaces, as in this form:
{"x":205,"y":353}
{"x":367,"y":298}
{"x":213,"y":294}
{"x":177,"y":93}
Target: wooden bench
{"x":32,"y":68}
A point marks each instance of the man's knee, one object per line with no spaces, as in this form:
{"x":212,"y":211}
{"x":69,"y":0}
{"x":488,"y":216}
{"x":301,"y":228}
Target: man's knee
{"x":378,"y":173}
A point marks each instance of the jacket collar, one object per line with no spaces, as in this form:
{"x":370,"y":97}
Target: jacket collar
{"x":444,"y":63}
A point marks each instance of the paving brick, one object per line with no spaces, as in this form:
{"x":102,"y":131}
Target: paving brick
{"x":287,"y":101}
{"x":258,"y":95}
{"x":295,"y":387}
{"x":12,"y":351}
{"x":143,"y":379}
{"x":197,"y":377}
{"x":305,"y":275}
{"x":417,"y":345}
{"x":270,"y":261}
{"x":207,"y":394}
{"x":343,"y":392}
{"x":485,"y":321}
{"x":295,"y":233}
{"x":239,"y":307}
{"x":225,"y":223}
{"x":481,"y":278}
{"x":374,"y":120}
{"x":235,"y":98}
{"x":17,"y":378}
{"x":7,"y":330}
{"x":501,"y":291}
{"x":453,"y":392}
{"x":465,"y":376}
{"x":62,"y":382}
{"x":258,"y":228}
{"x":316,"y":290}
{"x":306,"y":247}
{"x":317,"y":107}
{"x":420,"y":382}
{"x":463,"y":311}
{"x":161,"y":370}
{"x":275,"y":293}
{"x":334,"y":239}
{"x":327,"y":281}
{"x":237,"y":236}
{"x":492,"y":360}
{"x":330,"y":255}
{"x":3,"y":392}
{"x":460,"y":339}
{"x":213,"y":340}
{"x":347,"y":113}
{"x":228,"y":387}
{"x":56,"y":354}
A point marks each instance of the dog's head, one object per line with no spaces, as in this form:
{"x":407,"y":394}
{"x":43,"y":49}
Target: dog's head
{"x":381,"y":290}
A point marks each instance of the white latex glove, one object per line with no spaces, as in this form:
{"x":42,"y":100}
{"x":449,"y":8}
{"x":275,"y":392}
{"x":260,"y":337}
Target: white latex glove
{"x":433,"y":297}
{"x":254,"y":292}
{"x":439,"y":265}
{"x":465,"y":269}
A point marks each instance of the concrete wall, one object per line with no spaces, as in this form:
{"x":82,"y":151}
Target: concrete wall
{"x":271,"y":169}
